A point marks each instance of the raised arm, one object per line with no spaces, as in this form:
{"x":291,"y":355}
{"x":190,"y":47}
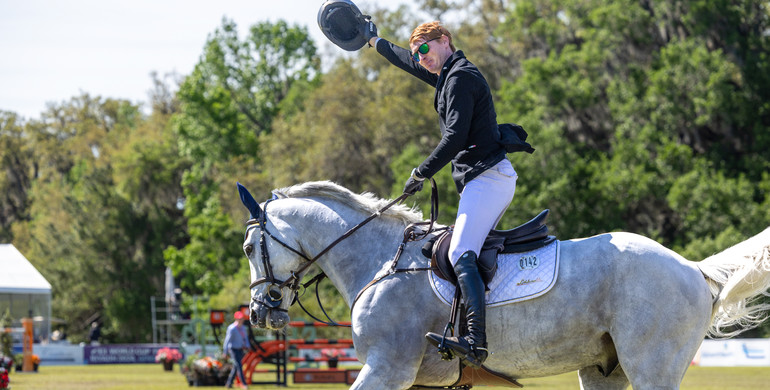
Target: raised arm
{"x":397,"y":55}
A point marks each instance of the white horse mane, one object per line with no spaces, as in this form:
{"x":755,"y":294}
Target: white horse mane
{"x":366,"y":202}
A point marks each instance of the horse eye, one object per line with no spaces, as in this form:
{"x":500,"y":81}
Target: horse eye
{"x":248,"y":249}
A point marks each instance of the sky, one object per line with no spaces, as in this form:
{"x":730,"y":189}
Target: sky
{"x":52,"y":50}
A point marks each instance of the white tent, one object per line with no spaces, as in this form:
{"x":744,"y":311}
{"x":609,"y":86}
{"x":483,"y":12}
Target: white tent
{"x":24,"y":291}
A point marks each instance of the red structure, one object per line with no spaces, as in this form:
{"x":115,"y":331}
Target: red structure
{"x":277,"y":352}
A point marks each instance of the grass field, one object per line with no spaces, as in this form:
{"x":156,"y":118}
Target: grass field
{"x":152,"y":377}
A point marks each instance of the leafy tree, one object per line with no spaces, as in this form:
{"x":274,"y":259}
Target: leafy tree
{"x":347,"y":133}
{"x":235,"y":89}
{"x":103,"y":207}
{"x":637,"y":105}
{"x":232,"y":97}
{"x":18,"y":171}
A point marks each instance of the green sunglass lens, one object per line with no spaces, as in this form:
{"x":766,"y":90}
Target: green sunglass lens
{"x":423,"y":49}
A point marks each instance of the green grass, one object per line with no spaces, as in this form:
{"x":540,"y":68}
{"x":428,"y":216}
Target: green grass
{"x":152,"y":377}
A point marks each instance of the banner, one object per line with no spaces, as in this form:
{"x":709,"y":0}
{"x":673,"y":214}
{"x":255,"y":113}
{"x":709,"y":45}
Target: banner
{"x":122,"y":353}
{"x":733,"y":353}
{"x":59,"y":354}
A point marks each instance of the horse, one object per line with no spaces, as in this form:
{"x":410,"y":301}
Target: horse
{"x":624,"y":310}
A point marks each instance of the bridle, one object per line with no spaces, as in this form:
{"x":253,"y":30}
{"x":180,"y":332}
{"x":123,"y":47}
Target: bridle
{"x":275,"y":291}
{"x":274,"y":296}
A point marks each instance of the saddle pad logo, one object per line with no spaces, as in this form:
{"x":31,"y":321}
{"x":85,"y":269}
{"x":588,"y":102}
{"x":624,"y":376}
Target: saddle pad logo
{"x":520,"y":276}
{"x":528,"y":262}
{"x":529,"y":281}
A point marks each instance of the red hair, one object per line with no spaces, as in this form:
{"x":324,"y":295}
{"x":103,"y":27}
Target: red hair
{"x":429,"y":31}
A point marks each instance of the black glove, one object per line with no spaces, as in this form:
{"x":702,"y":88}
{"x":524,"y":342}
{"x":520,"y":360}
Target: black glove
{"x":412,"y":186}
{"x":414,"y":183}
{"x":369,"y":29}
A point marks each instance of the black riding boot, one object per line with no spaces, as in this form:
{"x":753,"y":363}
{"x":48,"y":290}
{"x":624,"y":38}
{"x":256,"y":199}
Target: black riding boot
{"x":471,"y":348}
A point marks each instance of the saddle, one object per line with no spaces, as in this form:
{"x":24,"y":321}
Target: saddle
{"x":527,"y":237}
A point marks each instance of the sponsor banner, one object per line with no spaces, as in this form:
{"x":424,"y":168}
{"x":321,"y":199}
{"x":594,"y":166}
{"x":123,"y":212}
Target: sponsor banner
{"x":122,"y":353}
{"x":733,"y":353}
{"x":59,"y":354}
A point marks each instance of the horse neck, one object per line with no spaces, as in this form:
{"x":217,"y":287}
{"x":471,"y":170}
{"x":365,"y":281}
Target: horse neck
{"x":355,"y":261}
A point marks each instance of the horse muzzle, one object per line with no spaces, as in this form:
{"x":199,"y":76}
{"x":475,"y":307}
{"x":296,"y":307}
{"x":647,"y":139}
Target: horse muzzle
{"x":267,"y":314}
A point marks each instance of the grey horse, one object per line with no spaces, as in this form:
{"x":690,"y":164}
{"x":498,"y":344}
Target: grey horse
{"x":624,"y":311}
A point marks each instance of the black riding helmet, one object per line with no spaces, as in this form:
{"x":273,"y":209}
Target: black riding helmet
{"x":341,"y":22}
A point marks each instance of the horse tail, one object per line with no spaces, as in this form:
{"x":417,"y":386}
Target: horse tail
{"x":738,"y":277}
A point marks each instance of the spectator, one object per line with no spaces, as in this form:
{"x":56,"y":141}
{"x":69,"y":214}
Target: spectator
{"x":95,"y":333}
{"x":236,"y":341}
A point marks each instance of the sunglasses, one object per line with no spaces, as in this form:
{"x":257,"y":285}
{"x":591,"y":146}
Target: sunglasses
{"x":423,"y":49}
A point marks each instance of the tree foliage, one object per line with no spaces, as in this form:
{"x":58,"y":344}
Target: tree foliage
{"x":18,"y":171}
{"x":650,"y":117}
{"x":645,"y":96}
{"x":101,"y":190}
{"x":229,"y":100}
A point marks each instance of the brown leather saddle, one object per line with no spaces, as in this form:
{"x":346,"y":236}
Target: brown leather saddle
{"x":524,"y":238}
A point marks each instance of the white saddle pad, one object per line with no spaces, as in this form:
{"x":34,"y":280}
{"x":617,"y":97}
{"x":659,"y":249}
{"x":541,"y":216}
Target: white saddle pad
{"x":520,"y":276}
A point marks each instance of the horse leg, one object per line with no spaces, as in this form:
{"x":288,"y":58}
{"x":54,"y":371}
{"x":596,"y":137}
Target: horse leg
{"x":662,"y":308}
{"x":592,"y":379}
{"x":656,"y":355}
{"x":658,"y":368}
{"x":389,"y":325}
{"x":391,"y":363}
{"x":378,"y":374}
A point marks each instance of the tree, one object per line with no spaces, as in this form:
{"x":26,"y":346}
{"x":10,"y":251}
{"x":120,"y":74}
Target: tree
{"x":347,"y":132}
{"x":102,"y":209}
{"x":623,"y":113}
{"x":18,"y":172}
{"x":230,"y":99}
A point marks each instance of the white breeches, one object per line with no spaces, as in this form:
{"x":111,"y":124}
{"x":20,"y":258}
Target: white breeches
{"x":482,"y":203}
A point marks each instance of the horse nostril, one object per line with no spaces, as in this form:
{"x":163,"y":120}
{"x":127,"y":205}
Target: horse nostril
{"x":248,"y":249}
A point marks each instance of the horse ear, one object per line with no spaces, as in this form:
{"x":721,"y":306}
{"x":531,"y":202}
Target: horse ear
{"x":249,"y":201}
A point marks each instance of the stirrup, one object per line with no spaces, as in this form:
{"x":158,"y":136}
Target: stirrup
{"x":443,"y":349}
{"x":469,"y":353}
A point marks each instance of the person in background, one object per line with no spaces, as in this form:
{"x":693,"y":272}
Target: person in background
{"x":95,"y":333}
{"x":236,"y":341}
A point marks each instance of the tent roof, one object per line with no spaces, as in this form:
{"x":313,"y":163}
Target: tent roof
{"x":18,"y":275}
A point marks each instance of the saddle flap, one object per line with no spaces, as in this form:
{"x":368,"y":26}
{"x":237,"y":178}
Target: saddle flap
{"x":439,"y":259}
{"x":487,"y":260}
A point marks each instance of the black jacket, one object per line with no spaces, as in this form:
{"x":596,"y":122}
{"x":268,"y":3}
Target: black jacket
{"x":467,"y":118}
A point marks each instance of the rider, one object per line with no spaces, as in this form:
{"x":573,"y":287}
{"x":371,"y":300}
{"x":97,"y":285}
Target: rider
{"x":470,"y":139}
